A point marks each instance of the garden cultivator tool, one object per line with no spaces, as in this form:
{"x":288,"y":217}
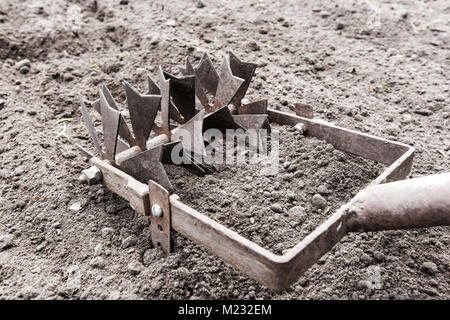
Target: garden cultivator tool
{"x":130,"y":164}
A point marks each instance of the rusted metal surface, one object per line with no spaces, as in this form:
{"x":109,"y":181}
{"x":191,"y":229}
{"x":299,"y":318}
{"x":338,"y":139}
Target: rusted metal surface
{"x":143,"y":110}
{"x":124,"y":131}
{"x":161,"y":216}
{"x":207,"y":74}
{"x":252,"y":121}
{"x":414,"y":203}
{"x":182,"y":91}
{"x":256,"y":107}
{"x":110,"y":121}
{"x":153,"y":89}
{"x":199,"y":91}
{"x":304,"y":110}
{"x":273,"y":271}
{"x":228,"y":85}
{"x":361,"y":144}
{"x":147,"y":166}
{"x":221,"y":120}
{"x":165,"y":103}
{"x":243,"y":70}
{"x":191,"y":134}
{"x":91,"y":129}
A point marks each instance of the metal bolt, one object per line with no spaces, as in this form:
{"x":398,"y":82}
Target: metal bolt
{"x":157,"y":210}
{"x":91,"y":175}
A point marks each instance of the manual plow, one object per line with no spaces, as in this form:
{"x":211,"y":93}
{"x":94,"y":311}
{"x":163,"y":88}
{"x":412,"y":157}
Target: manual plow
{"x":130,"y":163}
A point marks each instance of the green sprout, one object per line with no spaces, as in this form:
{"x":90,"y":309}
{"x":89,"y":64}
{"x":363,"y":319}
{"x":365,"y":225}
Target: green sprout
{"x":94,"y":64}
{"x":62,"y":133}
{"x":65,"y":120}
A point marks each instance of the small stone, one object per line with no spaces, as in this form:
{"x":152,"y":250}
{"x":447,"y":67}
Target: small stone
{"x":290,"y":195}
{"x":276,"y":207}
{"x":252,"y":45}
{"x":107,"y":233}
{"x":366,"y":259}
{"x":129,"y":242}
{"x":135,"y":267}
{"x":318,"y":201}
{"x":149,"y":256}
{"x":68,"y":77}
{"x":28,"y":293}
{"x":429,"y":267}
{"x":379,"y":256}
{"x":298,"y":214}
{"x":323,"y":190}
{"x":24,"y":70}
{"x":423,"y":112}
{"x":97,"y":263}
{"x":98,"y":249}
{"x":73,"y":277}
{"x":252,"y":220}
{"x":171,"y":23}
{"x":41,"y":246}
{"x":23,"y":63}
{"x":200,"y":4}
{"x":6,"y":242}
{"x":75,"y":207}
{"x":340,"y":26}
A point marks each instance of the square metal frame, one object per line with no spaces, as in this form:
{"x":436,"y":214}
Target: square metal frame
{"x":277,"y":272}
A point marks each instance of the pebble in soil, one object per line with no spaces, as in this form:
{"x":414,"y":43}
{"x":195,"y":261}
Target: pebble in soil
{"x":278,"y":211}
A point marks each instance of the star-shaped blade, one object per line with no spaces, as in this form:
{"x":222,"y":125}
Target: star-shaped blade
{"x":191,"y":134}
{"x":221,"y":120}
{"x":256,"y":107}
{"x":207,"y":74}
{"x":182,"y":91}
{"x":147,"y":166}
{"x":228,"y":85}
{"x":243,"y":70}
{"x":165,"y":103}
{"x":124,"y":131}
{"x":188,"y":162}
{"x":253,"y":122}
{"x":153,"y":89}
{"x":110,"y":122}
{"x":143,"y":109}
{"x":91,"y":128}
{"x":199,"y":91}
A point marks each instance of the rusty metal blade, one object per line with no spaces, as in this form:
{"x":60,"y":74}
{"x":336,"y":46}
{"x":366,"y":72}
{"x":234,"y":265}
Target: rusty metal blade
{"x":256,"y":107}
{"x":228,"y":85}
{"x":243,"y":70}
{"x":147,"y":166}
{"x":251,"y":121}
{"x":199,"y":91}
{"x":91,"y":128}
{"x":220,"y":119}
{"x":191,"y":134}
{"x":124,"y":131}
{"x":121,"y":146}
{"x":153,"y":89}
{"x":143,"y":110}
{"x":207,"y":74}
{"x":182,"y":92}
{"x":188,"y":161}
{"x":84,"y":151}
{"x":165,"y":104}
{"x":110,"y":121}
